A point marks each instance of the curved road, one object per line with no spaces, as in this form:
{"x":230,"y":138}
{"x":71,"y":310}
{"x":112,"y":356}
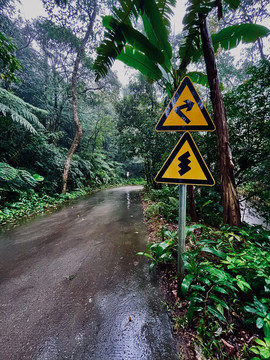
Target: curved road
{"x":71,"y":286}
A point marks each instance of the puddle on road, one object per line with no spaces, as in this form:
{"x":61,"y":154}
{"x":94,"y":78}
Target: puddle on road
{"x":111,"y":310}
{"x":135,"y":327}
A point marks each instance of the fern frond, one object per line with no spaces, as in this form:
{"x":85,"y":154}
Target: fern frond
{"x":19,"y":111}
{"x":27,"y":178}
{"x":7,"y":172}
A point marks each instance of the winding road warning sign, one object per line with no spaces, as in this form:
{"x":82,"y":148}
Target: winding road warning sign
{"x":185,"y":165}
{"x":186,"y":111}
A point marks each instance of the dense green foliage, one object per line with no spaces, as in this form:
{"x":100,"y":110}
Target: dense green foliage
{"x":227,"y":275}
{"x":226,"y":281}
{"x":248,"y":108}
{"x":37,"y":122}
{"x":118,"y":131}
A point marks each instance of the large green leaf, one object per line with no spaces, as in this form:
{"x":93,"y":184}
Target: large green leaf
{"x":28,"y":178}
{"x":155,"y":18}
{"x":151,"y":35}
{"x":165,"y":9}
{"x":127,"y":34}
{"x":189,"y":49}
{"x":112,"y":45}
{"x":198,"y":77}
{"x":153,"y":49}
{"x":216,"y":313}
{"x":227,"y":38}
{"x":127,"y":9}
{"x":186,"y":284}
{"x":107,"y":53}
{"x":233,"y":3}
{"x":140,"y":62}
{"x":214,"y":251}
{"x":118,"y":35}
{"x":231,"y":36}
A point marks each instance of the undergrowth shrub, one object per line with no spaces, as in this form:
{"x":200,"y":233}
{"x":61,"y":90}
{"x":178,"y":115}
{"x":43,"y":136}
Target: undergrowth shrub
{"x":228,"y":273}
{"x":227,"y":285}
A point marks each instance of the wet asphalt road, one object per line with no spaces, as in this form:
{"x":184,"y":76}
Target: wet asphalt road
{"x":70,"y":282}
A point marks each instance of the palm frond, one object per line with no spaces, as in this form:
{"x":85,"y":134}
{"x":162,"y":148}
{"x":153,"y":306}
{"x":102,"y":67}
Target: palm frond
{"x":161,"y":31}
{"x":120,"y":33}
{"x":189,"y":49}
{"x":127,"y":9}
{"x":231,"y":36}
{"x":151,"y":35}
{"x":127,"y":34}
{"x":228,"y":38}
{"x":140,"y":62}
{"x":165,"y":10}
{"x":17,"y":179}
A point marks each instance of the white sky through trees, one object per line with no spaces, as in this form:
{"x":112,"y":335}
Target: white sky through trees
{"x":30,"y":9}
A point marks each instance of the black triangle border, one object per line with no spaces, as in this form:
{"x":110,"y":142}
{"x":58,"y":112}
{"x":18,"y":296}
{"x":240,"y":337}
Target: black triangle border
{"x":209,"y":178}
{"x":186,"y":82}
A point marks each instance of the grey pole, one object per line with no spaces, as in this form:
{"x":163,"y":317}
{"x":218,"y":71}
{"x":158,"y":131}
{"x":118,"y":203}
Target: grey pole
{"x":181,"y":236}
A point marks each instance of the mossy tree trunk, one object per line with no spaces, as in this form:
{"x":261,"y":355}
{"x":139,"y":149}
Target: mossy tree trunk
{"x":230,"y":203}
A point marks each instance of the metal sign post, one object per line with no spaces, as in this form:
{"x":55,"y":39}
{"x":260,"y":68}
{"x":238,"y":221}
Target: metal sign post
{"x":185,"y":165}
{"x":181,"y":236}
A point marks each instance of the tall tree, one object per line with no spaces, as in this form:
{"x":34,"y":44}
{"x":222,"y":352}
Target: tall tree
{"x":230,"y":203}
{"x":89,"y":11}
{"x":78,"y":135}
{"x":145,"y":53}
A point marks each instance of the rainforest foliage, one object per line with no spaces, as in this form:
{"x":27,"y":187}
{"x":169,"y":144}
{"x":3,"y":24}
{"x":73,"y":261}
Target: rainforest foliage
{"x":49,"y":96}
{"x":69,"y":126}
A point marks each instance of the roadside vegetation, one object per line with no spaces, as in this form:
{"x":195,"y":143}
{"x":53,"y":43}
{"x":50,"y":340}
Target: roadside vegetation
{"x":224,"y":307}
{"x":69,"y":127}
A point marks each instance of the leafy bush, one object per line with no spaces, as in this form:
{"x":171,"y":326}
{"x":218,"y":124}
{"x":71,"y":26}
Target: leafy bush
{"x":166,"y":203}
{"x":16,"y":180}
{"x":229,"y":275}
{"x":161,"y":252}
{"x":32,"y":203}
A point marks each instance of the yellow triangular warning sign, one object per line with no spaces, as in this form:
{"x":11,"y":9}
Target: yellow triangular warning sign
{"x":185,"y":165}
{"x":185,"y":111}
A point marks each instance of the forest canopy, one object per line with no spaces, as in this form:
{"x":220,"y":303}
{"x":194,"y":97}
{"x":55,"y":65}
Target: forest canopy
{"x":68,"y":124}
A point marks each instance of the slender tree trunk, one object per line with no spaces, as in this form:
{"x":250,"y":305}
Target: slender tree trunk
{"x":78,"y":125}
{"x":230,"y":203}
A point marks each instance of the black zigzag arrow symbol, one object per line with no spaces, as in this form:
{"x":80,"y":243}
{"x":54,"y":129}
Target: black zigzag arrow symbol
{"x":184,"y":162}
{"x":189,"y":105}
